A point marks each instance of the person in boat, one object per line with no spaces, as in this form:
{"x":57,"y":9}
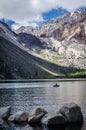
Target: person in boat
{"x":56,"y":85}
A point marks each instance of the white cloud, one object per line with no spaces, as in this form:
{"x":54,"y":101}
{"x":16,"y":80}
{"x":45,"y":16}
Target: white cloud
{"x":26,"y":12}
{"x":31,"y":22}
{"x":15,"y":26}
{"x":72,"y":5}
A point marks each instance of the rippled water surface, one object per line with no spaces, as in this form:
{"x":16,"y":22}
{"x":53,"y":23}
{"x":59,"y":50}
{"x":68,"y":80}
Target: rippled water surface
{"x":26,"y":96}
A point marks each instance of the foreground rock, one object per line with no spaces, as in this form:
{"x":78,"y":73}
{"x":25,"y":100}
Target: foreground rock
{"x":19,"y":117}
{"x":69,"y":113}
{"x":36,"y":115}
{"x":72,"y":112}
{"x":3,"y":124}
{"x":53,"y":119}
{"x":5,"y":112}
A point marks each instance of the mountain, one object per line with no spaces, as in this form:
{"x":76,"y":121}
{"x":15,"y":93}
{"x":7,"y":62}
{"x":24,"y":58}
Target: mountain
{"x":55,"y":49}
{"x":63,"y":37}
{"x":16,"y":62}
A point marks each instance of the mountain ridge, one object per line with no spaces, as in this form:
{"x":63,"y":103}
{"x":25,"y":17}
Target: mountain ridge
{"x":63,"y":37}
{"x":16,"y":62}
{"x":53,"y":50}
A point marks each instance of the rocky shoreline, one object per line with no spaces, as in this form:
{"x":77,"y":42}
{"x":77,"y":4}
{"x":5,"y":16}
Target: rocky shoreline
{"x":69,"y":113}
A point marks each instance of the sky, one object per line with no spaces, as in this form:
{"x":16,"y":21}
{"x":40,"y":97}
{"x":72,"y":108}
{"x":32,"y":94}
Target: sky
{"x":17,"y":13}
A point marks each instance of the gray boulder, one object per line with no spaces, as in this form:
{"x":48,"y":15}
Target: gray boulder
{"x":3,"y":124}
{"x":19,"y":117}
{"x":5,"y":112}
{"x":53,"y":119}
{"x":36,"y":115}
{"x":72,"y":112}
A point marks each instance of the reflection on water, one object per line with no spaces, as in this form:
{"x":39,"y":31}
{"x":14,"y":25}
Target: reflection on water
{"x":68,"y":127}
{"x":26,"y":96}
{"x":37,"y":127}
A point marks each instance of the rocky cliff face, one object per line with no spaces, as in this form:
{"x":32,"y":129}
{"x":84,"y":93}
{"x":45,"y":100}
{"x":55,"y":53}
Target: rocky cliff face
{"x":65,"y":37}
{"x":60,"y":28}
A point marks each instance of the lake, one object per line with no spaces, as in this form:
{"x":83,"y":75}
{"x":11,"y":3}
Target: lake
{"x":27,"y":96}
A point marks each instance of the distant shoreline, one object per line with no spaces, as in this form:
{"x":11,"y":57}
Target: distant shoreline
{"x":42,"y":80}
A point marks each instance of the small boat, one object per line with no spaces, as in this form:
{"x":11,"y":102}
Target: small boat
{"x":56,"y":85}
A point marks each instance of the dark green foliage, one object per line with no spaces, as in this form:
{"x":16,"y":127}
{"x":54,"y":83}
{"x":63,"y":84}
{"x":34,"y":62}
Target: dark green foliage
{"x":78,"y":73}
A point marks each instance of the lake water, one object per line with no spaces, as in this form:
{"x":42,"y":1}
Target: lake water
{"x":27,"y":96}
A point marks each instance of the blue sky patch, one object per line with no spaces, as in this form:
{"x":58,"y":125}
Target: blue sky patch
{"x":53,"y":13}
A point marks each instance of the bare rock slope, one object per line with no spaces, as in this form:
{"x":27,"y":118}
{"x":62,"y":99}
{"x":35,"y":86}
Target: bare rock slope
{"x":65,"y":37}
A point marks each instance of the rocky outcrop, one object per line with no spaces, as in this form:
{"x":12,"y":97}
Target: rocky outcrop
{"x":22,"y":29}
{"x":65,"y":26}
{"x":72,"y":112}
{"x":30,"y":41}
{"x":73,"y":54}
{"x":5,"y":112}
{"x":19,"y":117}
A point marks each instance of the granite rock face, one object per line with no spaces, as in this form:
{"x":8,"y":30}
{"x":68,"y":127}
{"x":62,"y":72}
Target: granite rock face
{"x":72,"y":112}
{"x":64,"y":36}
